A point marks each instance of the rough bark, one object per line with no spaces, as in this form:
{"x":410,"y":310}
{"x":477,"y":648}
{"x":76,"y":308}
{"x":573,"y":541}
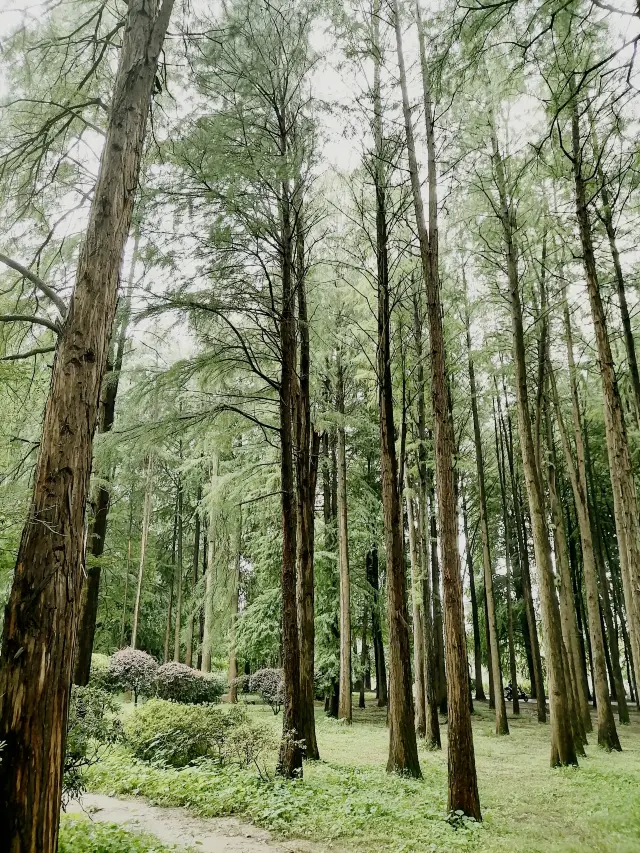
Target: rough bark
{"x":41,"y":616}
{"x":179,"y":573}
{"x":376,"y":628}
{"x":463,"y":786}
{"x":98,"y":528}
{"x":477,"y":645}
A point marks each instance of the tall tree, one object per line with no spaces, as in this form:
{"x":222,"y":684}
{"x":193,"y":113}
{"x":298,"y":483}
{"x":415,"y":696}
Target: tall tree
{"x":40,"y":628}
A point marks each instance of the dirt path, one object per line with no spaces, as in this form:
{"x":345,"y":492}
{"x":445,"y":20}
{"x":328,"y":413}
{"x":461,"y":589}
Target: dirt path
{"x":177,"y":827}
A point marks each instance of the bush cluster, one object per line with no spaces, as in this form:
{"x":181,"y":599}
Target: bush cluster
{"x":135,"y":670}
{"x":178,"y":734}
{"x":181,"y":683}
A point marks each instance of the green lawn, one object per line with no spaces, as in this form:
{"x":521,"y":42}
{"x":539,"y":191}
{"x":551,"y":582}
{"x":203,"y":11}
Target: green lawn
{"x":348,"y":801}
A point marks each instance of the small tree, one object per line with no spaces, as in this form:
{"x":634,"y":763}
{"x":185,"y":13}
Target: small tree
{"x":131,"y":669}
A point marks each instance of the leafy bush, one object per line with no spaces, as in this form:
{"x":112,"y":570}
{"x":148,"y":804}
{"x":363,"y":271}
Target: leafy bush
{"x":269,"y":685}
{"x":99,"y":674}
{"x":181,"y":683}
{"x":178,"y":734}
{"x":131,"y":669}
{"x":93,"y":727}
{"x":87,"y":836}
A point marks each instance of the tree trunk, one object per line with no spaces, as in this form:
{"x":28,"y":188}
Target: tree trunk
{"x":194,"y":579}
{"x":235,"y":589}
{"x":307,"y":443}
{"x":502,"y":725}
{"x":126,"y":577}
{"x":290,"y":756}
{"x":378,"y":647}
{"x":344,"y":707}
{"x":98,"y":528}
{"x":209,"y":578}
{"x":167,"y":634}
{"x":179,"y":584}
{"x":513,"y":673}
{"x":463,"y":787}
{"x":622,"y":480}
{"x":607,"y":735}
{"x":418,"y":623}
{"x":41,"y":617}
{"x":364,"y":657}
{"x":146,"y":524}
{"x":477,"y":645}
{"x":563,"y":750}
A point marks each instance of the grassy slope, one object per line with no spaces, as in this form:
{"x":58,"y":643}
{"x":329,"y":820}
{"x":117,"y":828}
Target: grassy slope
{"x":348,"y":801}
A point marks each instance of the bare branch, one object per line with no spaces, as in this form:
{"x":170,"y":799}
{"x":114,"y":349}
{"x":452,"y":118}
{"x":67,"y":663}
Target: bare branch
{"x":20,"y":355}
{"x":28,"y":318}
{"x":39,"y":283}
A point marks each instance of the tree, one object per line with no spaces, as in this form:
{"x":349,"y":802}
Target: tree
{"x":34,"y":684}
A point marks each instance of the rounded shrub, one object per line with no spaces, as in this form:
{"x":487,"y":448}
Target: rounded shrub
{"x":132,"y":669}
{"x":181,"y":683}
{"x":269,"y":685}
{"x":178,"y":734}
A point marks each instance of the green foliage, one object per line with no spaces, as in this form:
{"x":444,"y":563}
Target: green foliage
{"x":99,"y":675}
{"x":269,"y":685}
{"x":92,"y":728}
{"x":181,"y":683}
{"x":82,"y":835}
{"x":348,"y":799}
{"x":176,"y":734}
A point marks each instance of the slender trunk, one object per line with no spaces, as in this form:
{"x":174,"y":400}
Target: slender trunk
{"x":146,"y":523}
{"x":620,"y":467}
{"x":209,"y":577}
{"x":126,"y":577}
{"x":167,"y":635}
{"x":179,"y":584}
{"x":500,"y":459}
{"x":98,"y":528}
{"x":502,"y":725}
{"x":194,"y":578}
{"x":344,"y":707}
{"x":378,"y":647}
{"x":463,"y":786}
{"x":41,"y":616}
{"x":576,"y":466}
{"x":431,"y":699}
{"x":290,"y":756}
{"x":477,"y":645}
{"x":307,"y":448}
{"x":418,"y":623}
{"x":235,"y":590}
{"x":364,"y":657}
{"x":563,"y":750}
{"x":205,"y":574}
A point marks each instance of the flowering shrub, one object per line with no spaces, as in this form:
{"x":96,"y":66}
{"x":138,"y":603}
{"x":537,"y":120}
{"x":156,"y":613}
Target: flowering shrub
{"x":181,"y":683}
{"x":131,"y":669}
{"x":269,"y":685}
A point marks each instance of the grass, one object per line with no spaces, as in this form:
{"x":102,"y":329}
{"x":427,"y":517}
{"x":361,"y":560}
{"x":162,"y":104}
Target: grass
{"x":350,"y":803}
{"x":81,"y":835}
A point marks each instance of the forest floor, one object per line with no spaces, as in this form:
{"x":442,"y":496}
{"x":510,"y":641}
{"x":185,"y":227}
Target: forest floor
{"x":347,"y":802}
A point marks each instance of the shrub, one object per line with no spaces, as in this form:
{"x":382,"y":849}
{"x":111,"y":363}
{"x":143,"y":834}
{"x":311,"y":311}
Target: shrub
{"x":131,"y":669}
{"x":269,"y":685}
{"x":251,"y":743}
{"x":93,"y":726}
{"x":180,"y":683}
{"x":178,"y":734}
{"x":99,"y":674}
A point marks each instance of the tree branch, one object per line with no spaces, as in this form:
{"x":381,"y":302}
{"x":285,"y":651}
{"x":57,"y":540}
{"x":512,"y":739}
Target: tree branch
{"x":28,"y":354}
{"x":28,"y":318}
{"x":39,"y":283}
